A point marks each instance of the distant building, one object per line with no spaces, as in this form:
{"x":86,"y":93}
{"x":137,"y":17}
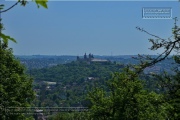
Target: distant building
{"x":90,"y":58}
{"x":49,"y":83}
{"x":99,"y":60}
{"x":85,"y":56}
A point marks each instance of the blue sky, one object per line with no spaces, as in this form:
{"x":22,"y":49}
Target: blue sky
{"x":73,"y":28}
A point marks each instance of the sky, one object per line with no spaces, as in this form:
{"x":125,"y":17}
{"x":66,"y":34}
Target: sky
{"x":97,"y":27}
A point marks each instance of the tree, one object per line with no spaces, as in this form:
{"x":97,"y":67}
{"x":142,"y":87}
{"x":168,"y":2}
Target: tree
{"x":169,"y":83}
{"x":15,"y":86}
{"x":126,"y":99}
{"x":170,"y":86}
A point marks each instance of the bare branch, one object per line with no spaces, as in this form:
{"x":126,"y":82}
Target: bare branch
{"x":10,"y":7}
{"x":168,"y":46}
{"x":142,"y":30}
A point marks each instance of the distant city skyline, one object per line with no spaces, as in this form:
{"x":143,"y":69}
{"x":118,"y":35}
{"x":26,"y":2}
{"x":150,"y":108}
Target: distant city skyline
{"x":75,"y":28}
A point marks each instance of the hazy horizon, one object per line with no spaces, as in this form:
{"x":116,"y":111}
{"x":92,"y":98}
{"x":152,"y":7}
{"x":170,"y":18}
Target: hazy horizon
{"x":87,"y":55}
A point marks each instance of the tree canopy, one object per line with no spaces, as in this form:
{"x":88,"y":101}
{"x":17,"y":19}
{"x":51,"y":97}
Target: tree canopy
{"x":15,"y":85}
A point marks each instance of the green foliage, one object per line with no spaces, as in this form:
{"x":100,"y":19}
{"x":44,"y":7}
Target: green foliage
{"x":75,"y":72}
{"x":72,"y":82}
{"x":42,"y":3}
{"x":126,"y":99}
{"x":6,"y":38}
{"x":177,"y":59}
{"x":170,"y":85}
{"x":15,"y":85}
{"x":1,"y":6}
{"x":71,"y":116}
{"x":39,"y":3}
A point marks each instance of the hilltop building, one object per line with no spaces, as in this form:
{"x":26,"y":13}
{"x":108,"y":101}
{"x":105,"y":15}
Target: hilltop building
{"x":90,"y":58}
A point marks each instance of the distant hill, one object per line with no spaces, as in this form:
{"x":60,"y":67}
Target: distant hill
{"x":46,"y":61}
{"x":75,"y":71}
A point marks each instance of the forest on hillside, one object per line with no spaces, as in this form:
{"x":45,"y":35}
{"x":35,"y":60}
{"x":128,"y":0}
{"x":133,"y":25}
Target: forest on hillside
{"x":72,"y":82}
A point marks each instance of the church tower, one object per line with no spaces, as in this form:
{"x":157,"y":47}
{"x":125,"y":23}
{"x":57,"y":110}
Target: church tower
{"x":85,"y":56}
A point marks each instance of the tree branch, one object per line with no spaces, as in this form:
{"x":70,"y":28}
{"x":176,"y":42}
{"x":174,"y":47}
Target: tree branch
{"x":169,"y":46}
{"x":10,"y":7}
